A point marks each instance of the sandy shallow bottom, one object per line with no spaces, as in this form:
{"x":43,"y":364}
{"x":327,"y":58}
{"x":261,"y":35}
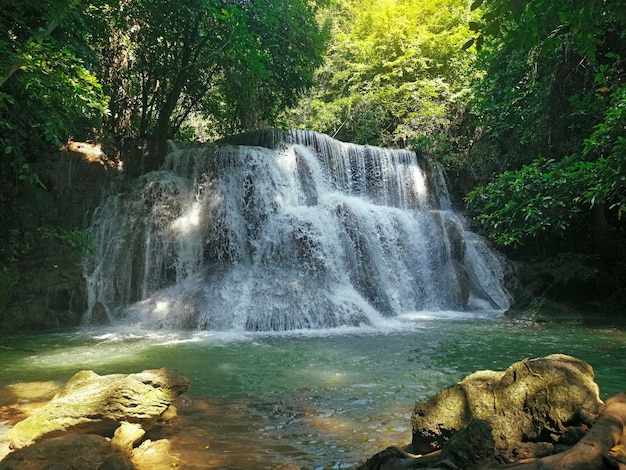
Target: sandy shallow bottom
{"x":232,"y":433}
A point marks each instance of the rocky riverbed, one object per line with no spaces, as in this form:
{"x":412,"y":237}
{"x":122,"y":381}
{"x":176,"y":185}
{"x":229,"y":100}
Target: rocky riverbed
{"x":539,"y":413}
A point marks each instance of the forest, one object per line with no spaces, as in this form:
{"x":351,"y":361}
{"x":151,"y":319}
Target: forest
{"x":521,"y":103}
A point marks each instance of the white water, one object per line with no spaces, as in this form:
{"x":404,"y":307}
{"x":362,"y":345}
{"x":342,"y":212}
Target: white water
{"x":312,"y":234}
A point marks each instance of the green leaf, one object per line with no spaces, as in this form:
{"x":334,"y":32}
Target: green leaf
{"x":476,"y":4}
{"x":468,"y":44}
{"x":479,"y":42}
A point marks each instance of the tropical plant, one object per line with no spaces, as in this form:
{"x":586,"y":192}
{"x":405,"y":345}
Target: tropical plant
{"x":541,"y":197}
{"x":551,"y":105}
{"x":47,"y":91}
{"x":238,"y":63}
{"x":394,"y":74}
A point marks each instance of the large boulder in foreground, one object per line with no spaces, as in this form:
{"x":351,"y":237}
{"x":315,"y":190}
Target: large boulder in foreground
{"x":535,"y":408}
{"x":94,"y":404}
{"x":529,"y":402}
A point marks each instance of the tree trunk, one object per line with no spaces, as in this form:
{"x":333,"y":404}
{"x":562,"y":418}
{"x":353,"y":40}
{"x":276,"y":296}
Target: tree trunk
{"x":161,"y":133}
{"x":162,"y":130}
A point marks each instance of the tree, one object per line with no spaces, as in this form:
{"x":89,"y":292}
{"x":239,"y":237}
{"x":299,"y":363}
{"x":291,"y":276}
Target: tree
{"x":394,"y":74}
{"x":238,"y":63}
{"x":47,"y":91}
{"x":551,"y":104}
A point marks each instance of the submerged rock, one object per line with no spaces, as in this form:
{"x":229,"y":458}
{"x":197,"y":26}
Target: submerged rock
{"x":94,"y":404}
{"x":543,"y":310}
{"x":532,"y":409}
{"x":69,"y":452}
{"x":127,"y":435}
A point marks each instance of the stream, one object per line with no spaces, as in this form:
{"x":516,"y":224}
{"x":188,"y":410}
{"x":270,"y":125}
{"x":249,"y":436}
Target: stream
{"x":311,"y":399}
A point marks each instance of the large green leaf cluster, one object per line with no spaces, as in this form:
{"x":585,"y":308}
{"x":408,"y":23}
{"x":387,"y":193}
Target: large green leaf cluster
{"x":47,"y":91}
{"x":551,"y":108}
{"x":543,"y":196}
{"x":394,"y":73}
{"x":608,"y":143}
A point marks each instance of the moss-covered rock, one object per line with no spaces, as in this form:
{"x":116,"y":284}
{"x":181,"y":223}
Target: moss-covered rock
{"x":96,"y":404}
{"x":44,"y":238}
{"x":530,"y":400}
{"x":72,"y":451}
{"x":530,"y":410}
{"x":543,"y":310}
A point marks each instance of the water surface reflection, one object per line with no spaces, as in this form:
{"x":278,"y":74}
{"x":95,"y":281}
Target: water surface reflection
{"x":324,"y":399}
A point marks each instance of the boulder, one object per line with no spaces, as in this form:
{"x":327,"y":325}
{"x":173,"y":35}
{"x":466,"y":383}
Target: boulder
{"x":535,"y":408}
{"x":68,"y":452}
{"x":94,"y":404}
{"x":601,"y":448}
{"x":533,"y":400}
{"x":127,"y":435}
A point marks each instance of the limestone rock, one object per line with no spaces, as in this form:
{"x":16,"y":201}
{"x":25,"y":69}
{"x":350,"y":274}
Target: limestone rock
{"x":68,"y":452}
{"x":170,"y":414}
{"x":532,"y":401}
{"x":534,"y":408}
{"x":94,"y":404}
{"x":127,"y":435}
{"x":153,"y":454}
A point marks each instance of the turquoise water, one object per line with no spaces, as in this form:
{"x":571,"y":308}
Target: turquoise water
{"x":325,"y":399}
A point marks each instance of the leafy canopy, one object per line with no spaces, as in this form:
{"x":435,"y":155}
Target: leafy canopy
{"x":238,"y":63}
{"x":47,"y":90}
{"x":394,"y":73}
{"x":552,"y":107}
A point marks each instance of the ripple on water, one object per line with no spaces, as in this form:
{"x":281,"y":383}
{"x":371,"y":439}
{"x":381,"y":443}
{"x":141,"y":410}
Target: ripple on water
{"x":307,"y":399}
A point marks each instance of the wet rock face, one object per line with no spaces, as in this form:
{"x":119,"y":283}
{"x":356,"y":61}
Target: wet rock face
{"x":94,"y":404}
{"x":48,"y":289}
{"x":530,"y":407}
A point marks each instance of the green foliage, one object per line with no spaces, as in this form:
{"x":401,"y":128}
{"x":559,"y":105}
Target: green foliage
{"x":608,"y":143}
{"x":237,"y":63}
{"x":543,"y":62}
{"x":281,"y":47}
{"x":77,"y":242}
{"x":546,"y":196}
{"x":46,"y":91}
{"x":553,"y":85}
{"x":518,"y":205}
{"x":394,"y":73}
{"x":51,"y":240}
{"x":524,"y":24}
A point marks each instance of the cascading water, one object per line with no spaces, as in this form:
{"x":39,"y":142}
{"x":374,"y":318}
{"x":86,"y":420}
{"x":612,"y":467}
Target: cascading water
{"x":282,"y":231}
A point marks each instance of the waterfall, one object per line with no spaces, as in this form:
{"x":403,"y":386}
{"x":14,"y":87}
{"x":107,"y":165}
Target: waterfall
{"x":275,"y":231}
